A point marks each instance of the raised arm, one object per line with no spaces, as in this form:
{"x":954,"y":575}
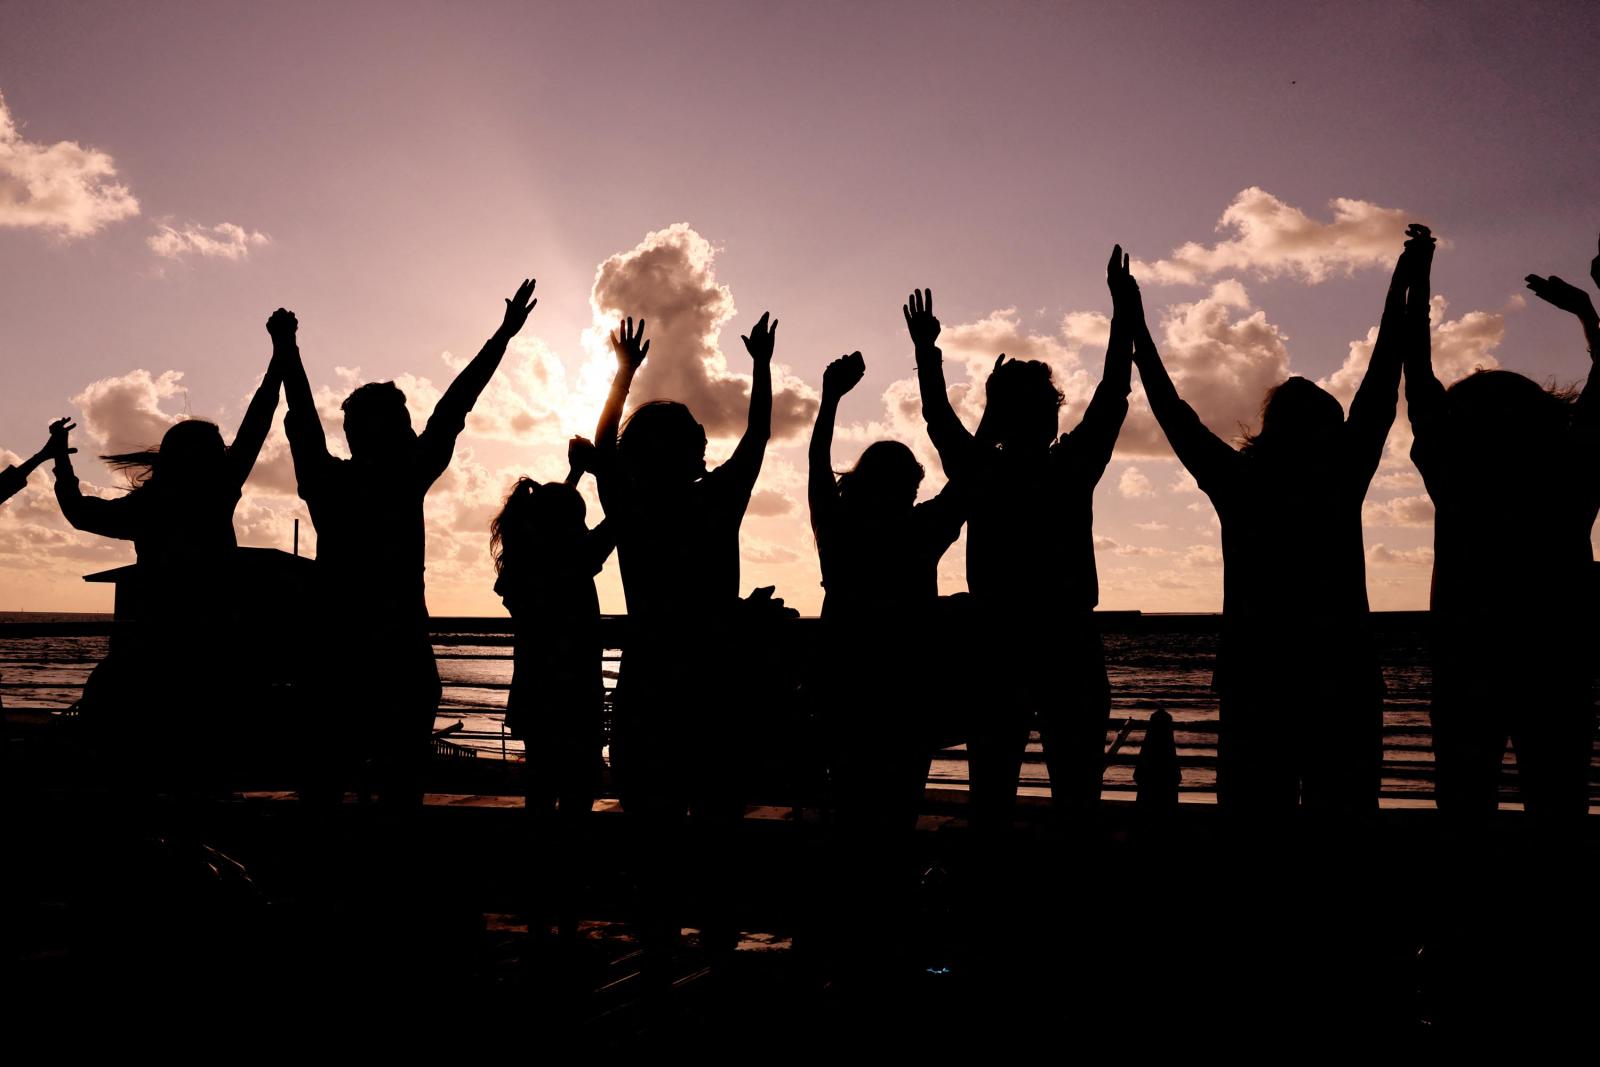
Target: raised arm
{"x":822,"y":492}
{"x":13,"y":479}
{"x":744,"y":466}
{"x":307,"y":442}
{"x":1096,"y":434}
{"x":437,"y":441}
{"x":257,"y":423}
{"x":956,"y":446}
{"x":630,"y":348}
{"x":1571,"y":299}
{"x":91,"y":514}
{"x":1203,"y":453}
{"x":1403,"y":326}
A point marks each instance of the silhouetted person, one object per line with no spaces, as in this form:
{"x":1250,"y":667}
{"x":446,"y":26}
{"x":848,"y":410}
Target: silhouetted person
{"x":173,"y":650}
{"x":675,"y":742}
{"x":1514,"y":473}
{"x":1301,"y":691}
{"x":880,"y":553}
{"x":15,"y":478}
{"x":546,"y":559}
{"x":1030,"y":565}
{"x":379,"y":674}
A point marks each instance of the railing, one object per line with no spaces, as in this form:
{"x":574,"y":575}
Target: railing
{"x":1154,"y":661}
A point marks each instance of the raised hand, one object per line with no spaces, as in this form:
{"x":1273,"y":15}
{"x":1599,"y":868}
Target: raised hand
{"x":282,"y":326}
{"x":580,"y":454}
{"x":920,"y":323}
{"x":1564,"y":295}
{"x":56,"y":447}
{"x":1594,"y":269}
{"x":760,"y":341}
{"x":1125,"y":296}
{"x":1418,"y":252}
{"x":517,"y":308}
{"x":629,"y":344}
{"x":843,"y":374}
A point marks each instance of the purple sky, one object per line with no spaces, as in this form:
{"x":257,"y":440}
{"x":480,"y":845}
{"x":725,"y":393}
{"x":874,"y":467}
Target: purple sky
{"x":405,"y":165}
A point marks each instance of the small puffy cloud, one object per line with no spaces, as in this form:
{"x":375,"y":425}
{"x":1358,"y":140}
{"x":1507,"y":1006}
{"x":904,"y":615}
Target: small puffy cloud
{"x":1203,"y":556}
{"x":1150,"y":527}
{"x":1401,"y":511}
{"x":767,"y":503}
{"x":1382,"y":553}
{"x":1269,"y":238}
{"x":226,"y":240}
{"x":1135,"y":483}
{"x":669,"y":279}
{"x":63,"y":187}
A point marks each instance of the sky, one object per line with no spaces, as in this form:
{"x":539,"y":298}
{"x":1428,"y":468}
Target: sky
{"x":170,"y":173}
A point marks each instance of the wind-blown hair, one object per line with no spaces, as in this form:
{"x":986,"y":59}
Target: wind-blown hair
{"x":534,"y":517}
{"x":188,"y":448}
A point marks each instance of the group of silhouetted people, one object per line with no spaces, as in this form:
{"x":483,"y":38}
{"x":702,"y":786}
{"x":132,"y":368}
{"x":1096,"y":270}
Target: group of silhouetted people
{"x":1513,"y":470}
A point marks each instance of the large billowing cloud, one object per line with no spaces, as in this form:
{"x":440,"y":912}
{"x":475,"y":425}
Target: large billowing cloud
{"x":62,"y":187}
{"x":226,"y":240}
{"x":1268,"y":237}
{"x":130,"y":412}
{"x":669,"y":279}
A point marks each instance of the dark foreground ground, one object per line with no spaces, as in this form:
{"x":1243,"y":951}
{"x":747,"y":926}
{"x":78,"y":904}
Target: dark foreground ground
{"x":1121,"y":933}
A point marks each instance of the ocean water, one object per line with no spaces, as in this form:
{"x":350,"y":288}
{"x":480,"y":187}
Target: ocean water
{"x":1170,"y":670}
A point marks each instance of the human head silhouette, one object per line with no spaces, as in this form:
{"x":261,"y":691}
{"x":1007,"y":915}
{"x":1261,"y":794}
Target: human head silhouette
{"x":191,"y":456}
{"x":884,"y":480}
{"x":661,"y":444}
{"x":1298,"y":418}
{"x":1023,"y":408}
{"x":376,"y":422}
{"x":1502,"y":413}
{"x":537,"y":518}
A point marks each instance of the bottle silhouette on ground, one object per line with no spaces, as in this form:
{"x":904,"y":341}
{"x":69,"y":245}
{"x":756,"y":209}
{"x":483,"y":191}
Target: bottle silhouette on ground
{"x":173,"y":651}
{"x":1511,"y":468}
{"x":1030,"y":565}
{"x":675,"y":741}
{"x":879,"y":550}
{"x":1294,"y":579}
{"x":377,"y":674}
{"x":1157,"y":774}
{"x":15,"y":478}
{"x":546,"y":559}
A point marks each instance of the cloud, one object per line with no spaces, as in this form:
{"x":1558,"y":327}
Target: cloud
{"x":125,"y":413}
{"x":1382,"y":553}
{"x":669,"y":279}
{"x":1401,"y":511}
{"x":226,"y":240}
{"x":1270,"y":238}
{"x":62,"y":187}
{"x":1150,"y":527}
{"x":767,"y":503}
{"x":1203,"y":556}
{"x":1134,"y":483}
{"x":1223,"y":355}
{"x":1107,"y":544}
